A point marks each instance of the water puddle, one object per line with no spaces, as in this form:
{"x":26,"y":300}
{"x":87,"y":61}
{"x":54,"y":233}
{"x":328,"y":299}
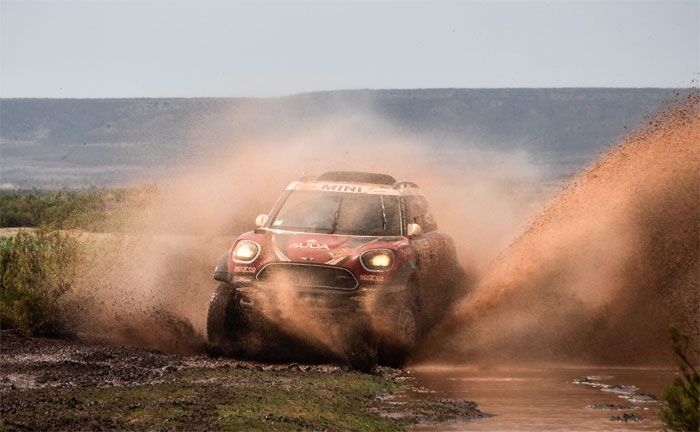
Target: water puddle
{"x":547,"y":399}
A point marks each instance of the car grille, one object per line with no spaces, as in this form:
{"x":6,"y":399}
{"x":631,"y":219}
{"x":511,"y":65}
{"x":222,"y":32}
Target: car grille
{"x":308,"y":275}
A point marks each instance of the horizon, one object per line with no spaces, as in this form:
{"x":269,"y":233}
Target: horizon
{"x":693,"y":87}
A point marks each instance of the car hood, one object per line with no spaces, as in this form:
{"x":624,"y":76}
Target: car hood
{"x":328,"y":249}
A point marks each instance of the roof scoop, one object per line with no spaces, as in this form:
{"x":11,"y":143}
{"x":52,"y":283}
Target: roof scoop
{"x":357,"y":177}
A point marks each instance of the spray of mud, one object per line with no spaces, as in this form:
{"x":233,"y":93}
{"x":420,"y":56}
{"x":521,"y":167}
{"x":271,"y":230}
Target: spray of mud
{"x":603,"y":271}
{"x":596,"y":277}
{"x":151,"y":286}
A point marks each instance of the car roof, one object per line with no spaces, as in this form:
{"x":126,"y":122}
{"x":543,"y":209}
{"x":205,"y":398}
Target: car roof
{"x":357,"y":177}
{"x":355,"y":182}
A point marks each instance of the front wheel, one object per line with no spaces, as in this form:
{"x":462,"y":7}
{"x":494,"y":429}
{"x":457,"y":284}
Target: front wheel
{"x":397,"y":345}
{"x":223,"y":319}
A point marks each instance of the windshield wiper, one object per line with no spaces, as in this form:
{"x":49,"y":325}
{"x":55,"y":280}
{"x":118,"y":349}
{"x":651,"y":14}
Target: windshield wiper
{"x":336,"y":216}
{"x":381,"y":200}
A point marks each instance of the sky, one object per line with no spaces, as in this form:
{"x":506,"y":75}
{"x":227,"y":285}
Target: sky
{"x":188,"y":49}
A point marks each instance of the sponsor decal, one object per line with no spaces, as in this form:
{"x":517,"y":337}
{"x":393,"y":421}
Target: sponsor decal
{"x":405,"y":252}
{"x":309,"y":244}
{"x":276,"y":250}
{"x":242,"y":269}
{"x":341,"y":188}
{"x":243,"y":279}
{"x":302,"y":186}
{"x":340,"y":252}
{"x":372,"y":278}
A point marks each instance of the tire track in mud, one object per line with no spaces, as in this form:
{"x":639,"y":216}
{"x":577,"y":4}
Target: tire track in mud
{"x":34,"y":363}
{"x":52,"y":384}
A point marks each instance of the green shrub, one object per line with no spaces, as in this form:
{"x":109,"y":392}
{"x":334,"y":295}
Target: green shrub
{"x":680,"y":410}
{"x":97,"y":210}
{"x":55,"y":209}
{"x":37,"y":269}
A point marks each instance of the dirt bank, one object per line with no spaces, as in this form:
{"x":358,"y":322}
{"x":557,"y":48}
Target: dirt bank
{"x":89,"y":386}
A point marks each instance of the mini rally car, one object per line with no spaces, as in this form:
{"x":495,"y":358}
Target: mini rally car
{"x":360,"y":251}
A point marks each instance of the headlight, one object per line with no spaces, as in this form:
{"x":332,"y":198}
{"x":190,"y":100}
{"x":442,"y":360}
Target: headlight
{"x":378,"y":260}
{"x":245,"y":251}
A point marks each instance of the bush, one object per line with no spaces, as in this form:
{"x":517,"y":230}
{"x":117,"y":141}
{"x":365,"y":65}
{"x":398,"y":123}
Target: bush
{"x":680,"y":410}
{"x":59,"y":209}
{"x":37,"y":269}
{"x":97,"y":210}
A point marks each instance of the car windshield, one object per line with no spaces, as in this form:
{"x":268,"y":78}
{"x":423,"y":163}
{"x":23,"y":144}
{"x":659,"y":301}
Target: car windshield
{"x":339,"y":213}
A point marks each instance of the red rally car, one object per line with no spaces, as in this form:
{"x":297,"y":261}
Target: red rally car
{"x":360,"y":251}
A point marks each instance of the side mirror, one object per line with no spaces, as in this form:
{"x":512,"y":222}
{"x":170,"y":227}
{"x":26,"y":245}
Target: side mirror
{"x":414,"y":230}
{"x":260,"y":220}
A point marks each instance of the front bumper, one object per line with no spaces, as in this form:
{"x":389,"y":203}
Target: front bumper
{"x":273,"y":296}
{"x":322,"y":303}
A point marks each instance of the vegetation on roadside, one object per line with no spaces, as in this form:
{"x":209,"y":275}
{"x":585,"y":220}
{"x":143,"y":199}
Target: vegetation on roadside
{"x":680,"y":410}
{"x":87,"y":209}
{"x":213,"y":399}
{"x":37,"y":269}
{"x":232,"y":398}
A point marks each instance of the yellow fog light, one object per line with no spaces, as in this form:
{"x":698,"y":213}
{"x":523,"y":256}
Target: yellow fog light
{"x":245,"y":251}
{"x":378,"y":259}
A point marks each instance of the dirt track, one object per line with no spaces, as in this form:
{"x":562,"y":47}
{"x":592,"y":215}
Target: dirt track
{"x":49,"y":384}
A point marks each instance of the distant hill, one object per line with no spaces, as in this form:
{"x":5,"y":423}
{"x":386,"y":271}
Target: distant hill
{"x":80,"y":142}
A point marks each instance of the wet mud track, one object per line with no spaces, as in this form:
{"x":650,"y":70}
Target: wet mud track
{"x":50,"y":384}
{"x":29,"y":363}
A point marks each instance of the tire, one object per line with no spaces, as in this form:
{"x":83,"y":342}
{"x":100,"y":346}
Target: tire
{"x":223,"y":320}
{"x":236,"y":331}
{"x":396,"y":347}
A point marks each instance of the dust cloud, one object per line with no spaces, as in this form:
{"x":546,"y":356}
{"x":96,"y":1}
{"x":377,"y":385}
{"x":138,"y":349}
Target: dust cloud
{"x":597,"y":277}
{"x":604,"y":270}
{"x":151,"y":286}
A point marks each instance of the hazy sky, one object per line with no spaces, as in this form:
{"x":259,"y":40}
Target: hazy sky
{"x":164,"y":48}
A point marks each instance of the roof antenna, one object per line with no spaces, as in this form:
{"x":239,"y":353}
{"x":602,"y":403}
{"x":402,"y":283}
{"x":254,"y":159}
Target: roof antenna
{"x":305,"y":177}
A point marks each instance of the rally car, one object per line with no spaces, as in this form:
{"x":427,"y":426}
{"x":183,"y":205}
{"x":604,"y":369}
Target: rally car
{"x":359,"y":250}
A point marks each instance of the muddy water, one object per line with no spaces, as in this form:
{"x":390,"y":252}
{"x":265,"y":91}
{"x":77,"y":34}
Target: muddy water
{"x":544,"y":399}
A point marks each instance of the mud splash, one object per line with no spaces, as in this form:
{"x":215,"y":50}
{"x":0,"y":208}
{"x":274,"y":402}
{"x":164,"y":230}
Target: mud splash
{"x":151,"y":286}
{"x":610,"y":263}
{"x":143,"y":290}
{"x":598,"y":276}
